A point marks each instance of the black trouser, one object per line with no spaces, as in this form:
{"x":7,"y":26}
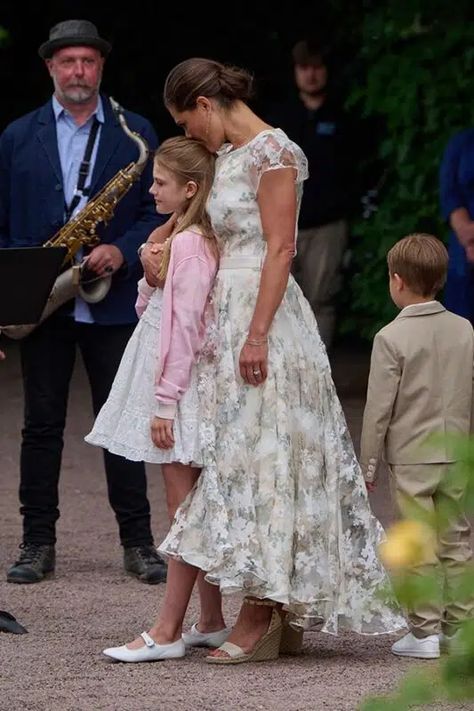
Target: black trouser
{"x":47,"y":358}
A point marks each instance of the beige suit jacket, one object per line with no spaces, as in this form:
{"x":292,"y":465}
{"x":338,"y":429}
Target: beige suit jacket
{"x":420,"y":384}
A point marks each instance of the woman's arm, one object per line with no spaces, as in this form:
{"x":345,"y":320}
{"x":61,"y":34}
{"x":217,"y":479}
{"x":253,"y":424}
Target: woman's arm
{"x":277,"y":202}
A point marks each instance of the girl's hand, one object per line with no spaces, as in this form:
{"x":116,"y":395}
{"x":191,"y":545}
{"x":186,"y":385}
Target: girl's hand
{"x":151,"y":262}
{"x":371,"y":486}
{"x":2,"y":355}
{"x":162,"y":433}
{"x":253,"y":363}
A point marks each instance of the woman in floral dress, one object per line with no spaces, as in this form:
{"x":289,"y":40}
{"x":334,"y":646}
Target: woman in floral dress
{"x":280,"y":511}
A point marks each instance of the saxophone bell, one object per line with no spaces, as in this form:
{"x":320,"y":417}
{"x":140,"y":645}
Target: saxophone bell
{"x":91,"y":287}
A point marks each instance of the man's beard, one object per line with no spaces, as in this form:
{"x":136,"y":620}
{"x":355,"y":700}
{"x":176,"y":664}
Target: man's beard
{"x":77,"y":94}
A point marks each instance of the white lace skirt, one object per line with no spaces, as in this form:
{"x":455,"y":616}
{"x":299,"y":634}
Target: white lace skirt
{"x":281,"y":509}
{"x":123,"y":424}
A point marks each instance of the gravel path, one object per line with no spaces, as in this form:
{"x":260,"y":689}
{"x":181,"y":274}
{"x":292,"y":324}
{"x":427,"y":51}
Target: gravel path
{"x":91,"y":603}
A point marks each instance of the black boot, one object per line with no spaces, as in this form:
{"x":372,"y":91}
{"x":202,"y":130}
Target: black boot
{"x":145,"y":564}
{"x":9,"y":624}
{"x":34,"y":563}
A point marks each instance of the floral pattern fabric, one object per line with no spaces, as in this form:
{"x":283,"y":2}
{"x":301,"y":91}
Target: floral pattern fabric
{"x":280,"y":510}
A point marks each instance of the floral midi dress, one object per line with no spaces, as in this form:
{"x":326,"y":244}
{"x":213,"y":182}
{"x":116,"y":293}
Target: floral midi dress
{"x":280,"y":510}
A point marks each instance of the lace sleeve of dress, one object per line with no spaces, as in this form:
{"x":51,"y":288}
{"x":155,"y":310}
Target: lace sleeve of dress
{"x":272,"y":151}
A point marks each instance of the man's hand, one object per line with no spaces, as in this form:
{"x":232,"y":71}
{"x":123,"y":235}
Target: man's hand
{"x":105,"y":259}
{"x":162,"y":433}
{"x":151,"y":261}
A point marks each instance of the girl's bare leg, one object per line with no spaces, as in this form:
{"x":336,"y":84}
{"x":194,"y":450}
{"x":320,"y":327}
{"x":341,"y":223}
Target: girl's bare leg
{"x":167,"y":628}
{"x":179,"y":480}
{"x":211,"y":618}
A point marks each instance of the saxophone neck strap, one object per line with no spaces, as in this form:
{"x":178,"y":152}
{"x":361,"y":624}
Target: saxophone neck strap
{"x":80,"y":191}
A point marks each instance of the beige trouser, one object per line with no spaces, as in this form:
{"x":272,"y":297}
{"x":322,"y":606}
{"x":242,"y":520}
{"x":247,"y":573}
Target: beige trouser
{"x":436,"y":488}
{"x":317,"y":269}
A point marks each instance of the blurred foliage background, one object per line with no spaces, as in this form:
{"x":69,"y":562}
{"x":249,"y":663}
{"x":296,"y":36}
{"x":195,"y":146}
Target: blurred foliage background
{"x":417,"y":60}
{"x":404,"y":70}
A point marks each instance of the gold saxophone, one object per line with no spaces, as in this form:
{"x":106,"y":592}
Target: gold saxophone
{"x":80,"y":231}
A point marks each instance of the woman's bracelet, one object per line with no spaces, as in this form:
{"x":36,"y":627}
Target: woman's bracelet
{"x":257,"y":341}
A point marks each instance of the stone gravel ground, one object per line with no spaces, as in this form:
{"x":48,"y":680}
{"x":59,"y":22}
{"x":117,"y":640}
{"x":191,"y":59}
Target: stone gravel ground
{"x":91,"y":604}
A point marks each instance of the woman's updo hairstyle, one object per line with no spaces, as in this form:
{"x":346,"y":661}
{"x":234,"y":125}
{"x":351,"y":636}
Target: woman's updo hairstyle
{"x":206,"y":77}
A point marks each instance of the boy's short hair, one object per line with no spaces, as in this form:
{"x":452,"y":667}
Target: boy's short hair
{"x":421,"y":260}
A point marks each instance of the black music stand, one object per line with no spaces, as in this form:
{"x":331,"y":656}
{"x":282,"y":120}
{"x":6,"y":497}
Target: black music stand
{"x":27,"y":275}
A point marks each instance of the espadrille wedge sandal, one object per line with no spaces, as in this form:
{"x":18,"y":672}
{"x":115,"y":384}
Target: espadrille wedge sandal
{"x":291,"y":640}
{"x":266,"y":649}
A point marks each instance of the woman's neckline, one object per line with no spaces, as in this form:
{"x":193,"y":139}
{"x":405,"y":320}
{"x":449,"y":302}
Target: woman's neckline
{"x":228,"y":148}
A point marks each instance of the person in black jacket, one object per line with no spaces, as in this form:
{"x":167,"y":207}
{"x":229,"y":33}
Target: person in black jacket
{"x":317,"y":123}
{"x":52,"y":161}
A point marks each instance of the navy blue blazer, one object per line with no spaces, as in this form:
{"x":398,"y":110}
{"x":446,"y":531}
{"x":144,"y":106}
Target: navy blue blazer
{"x":457,"y":190}
{"x":32,"y":197}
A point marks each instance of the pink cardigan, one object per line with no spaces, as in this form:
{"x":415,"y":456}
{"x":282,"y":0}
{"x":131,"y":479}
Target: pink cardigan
{"x":191,"y":272}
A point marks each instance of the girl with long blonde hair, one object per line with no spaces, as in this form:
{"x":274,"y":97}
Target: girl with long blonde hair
{"x":152,"y":410}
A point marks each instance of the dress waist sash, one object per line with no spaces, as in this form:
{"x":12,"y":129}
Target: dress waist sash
{"x":242,"y":262}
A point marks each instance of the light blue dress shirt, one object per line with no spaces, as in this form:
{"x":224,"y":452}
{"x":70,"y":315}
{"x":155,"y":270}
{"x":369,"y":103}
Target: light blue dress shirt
{"x":72,"y":142}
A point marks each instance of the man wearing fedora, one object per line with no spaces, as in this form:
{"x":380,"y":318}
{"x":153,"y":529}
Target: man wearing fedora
{"x":41,"y":157}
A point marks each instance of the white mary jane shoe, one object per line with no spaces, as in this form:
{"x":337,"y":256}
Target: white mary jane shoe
{"x":151,"y":652}
{"x":419,"y":648}
{"x":194,"y":638}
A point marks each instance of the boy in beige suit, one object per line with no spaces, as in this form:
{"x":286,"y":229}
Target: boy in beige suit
{"x":421,"y":384}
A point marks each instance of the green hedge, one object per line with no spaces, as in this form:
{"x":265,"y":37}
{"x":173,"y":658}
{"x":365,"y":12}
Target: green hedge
{"x":418,"y":81}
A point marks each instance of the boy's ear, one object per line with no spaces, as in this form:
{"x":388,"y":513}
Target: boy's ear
{"x":399,"y":283}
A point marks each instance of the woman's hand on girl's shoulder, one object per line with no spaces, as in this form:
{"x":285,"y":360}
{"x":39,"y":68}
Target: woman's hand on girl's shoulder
{"x":161,"y":233}
{"x":162,"y":433}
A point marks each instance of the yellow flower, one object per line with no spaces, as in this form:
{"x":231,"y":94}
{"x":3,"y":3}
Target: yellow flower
{"x":408,"y":543}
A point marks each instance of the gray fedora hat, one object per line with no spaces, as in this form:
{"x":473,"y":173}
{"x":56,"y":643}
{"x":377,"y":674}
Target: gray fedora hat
{"x":73,"y":33}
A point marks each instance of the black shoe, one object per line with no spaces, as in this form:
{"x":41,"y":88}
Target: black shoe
{"x":9,"y":624}
{"x":145,"y":564}
{"x":34,"y":563}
